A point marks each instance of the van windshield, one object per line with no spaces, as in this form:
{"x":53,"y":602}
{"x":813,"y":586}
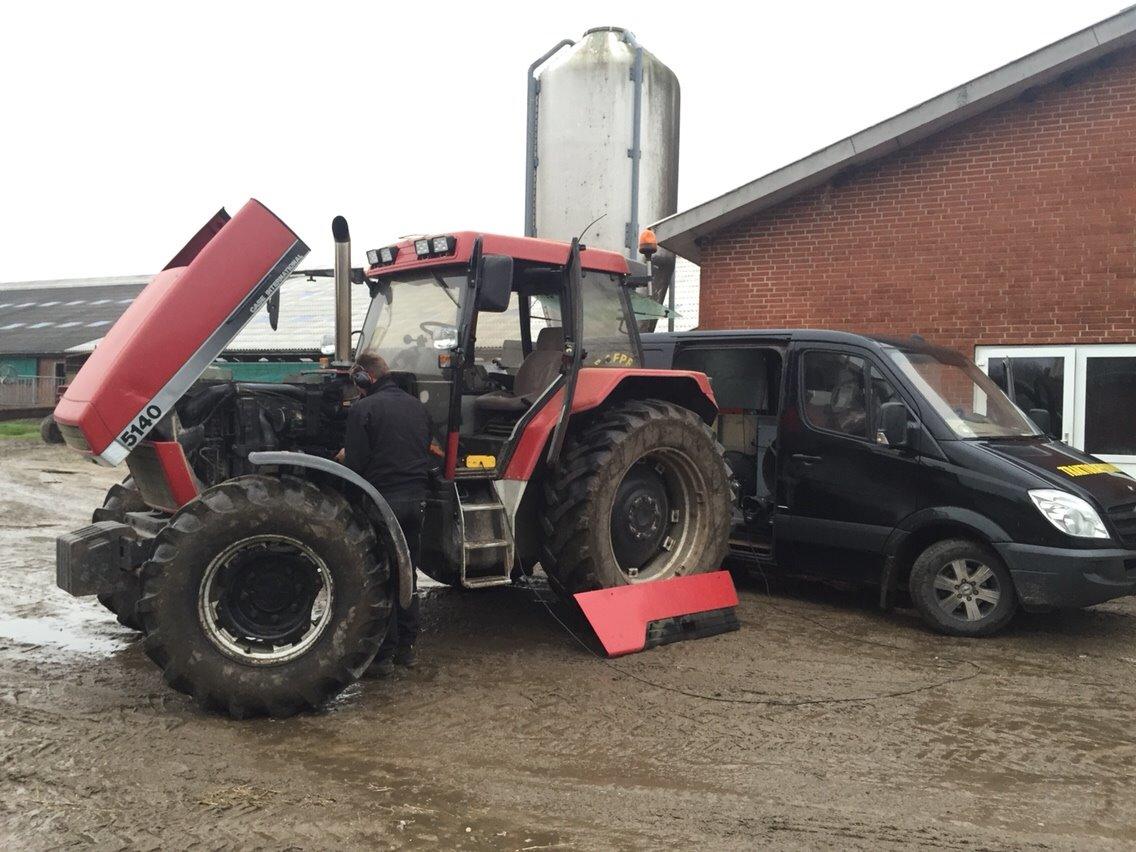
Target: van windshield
{"x":965,"y":397}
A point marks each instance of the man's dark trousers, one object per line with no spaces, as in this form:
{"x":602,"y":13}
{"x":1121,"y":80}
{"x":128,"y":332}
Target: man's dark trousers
{"x":404,"y":622}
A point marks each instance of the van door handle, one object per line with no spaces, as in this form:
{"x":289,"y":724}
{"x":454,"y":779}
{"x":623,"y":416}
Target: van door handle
{"x":805,"y":459}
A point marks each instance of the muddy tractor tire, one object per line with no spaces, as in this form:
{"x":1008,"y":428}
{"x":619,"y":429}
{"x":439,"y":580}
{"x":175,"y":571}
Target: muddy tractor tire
{"x":641,"y":493}
{"x":265,"y":596}
{"x":123,"y":602}
{"x":49,"y":430}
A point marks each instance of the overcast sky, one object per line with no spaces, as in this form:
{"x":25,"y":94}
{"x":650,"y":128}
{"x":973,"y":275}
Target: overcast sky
{"x":126,"y":125}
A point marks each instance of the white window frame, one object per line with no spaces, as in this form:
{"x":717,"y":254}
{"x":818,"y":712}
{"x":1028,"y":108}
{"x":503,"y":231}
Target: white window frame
{"x":1076,"y":382}
{"x":983,"y":354}
{"x":1084,"y":353}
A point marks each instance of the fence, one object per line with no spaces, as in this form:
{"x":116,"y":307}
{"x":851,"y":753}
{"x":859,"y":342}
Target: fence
{"x":29,"y":392}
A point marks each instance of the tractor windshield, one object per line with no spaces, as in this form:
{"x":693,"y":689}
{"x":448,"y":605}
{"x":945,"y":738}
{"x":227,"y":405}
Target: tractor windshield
{"x":414,"y":319}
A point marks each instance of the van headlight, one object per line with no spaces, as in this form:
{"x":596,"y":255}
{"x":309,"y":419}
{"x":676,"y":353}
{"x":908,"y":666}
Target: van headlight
{"x":1069,"y":513}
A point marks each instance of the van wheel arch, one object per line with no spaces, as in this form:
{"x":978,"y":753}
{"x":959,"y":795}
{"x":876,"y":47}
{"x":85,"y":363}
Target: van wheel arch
{"x":899,"y":558}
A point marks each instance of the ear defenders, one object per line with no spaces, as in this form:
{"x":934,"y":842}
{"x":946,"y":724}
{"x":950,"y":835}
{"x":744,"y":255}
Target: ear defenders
{"x":361,"y":378}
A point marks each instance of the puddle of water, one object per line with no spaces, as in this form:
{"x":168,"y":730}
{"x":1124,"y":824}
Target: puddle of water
{"x":73,"y":635}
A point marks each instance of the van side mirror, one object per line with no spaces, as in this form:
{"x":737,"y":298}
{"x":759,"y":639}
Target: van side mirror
{"x":1042,"y":419}
{"x":893,"y":425}
{"x":495,"y":282}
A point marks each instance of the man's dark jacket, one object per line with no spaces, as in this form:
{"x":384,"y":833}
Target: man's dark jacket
{"x":388,"y":441}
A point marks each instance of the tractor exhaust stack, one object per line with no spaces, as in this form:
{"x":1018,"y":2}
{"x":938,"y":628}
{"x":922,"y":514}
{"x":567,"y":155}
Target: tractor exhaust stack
{"x":342,"y":235}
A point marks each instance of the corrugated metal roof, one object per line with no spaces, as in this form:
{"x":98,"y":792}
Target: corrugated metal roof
{"x":307,"y":320}
{"x":50,"y":317}
{"x":307,"y":317}
{"x":680,"y":232}
{"x":74,"y":283}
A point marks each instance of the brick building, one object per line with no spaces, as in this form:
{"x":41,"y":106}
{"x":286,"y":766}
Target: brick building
{"x":998,"y":219}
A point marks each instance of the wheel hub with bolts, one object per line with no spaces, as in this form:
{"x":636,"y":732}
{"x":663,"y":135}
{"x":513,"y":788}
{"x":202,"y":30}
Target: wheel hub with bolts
{"x":967,"y":589}
{"x":640,"y":516}
{"x":643,"y":516}
{"x":265,"y":599}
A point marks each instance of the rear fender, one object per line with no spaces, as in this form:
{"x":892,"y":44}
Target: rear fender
{"x":597,"y":387}
{"x":389,"y":531}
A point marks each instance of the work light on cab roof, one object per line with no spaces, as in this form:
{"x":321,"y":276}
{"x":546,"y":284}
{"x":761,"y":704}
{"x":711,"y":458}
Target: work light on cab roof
{"x":424,"y":247}
{"x":383,"y":256}
{"x":434,"y":246}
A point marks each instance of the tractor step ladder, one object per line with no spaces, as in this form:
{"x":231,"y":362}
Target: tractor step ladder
{"x":487,"y":538}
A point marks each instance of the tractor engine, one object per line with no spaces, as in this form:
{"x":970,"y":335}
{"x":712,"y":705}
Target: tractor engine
{"x":221,"y":422}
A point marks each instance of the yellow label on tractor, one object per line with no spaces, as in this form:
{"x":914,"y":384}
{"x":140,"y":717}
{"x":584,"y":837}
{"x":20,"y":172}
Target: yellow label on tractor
{"x":1088,"y":469}
{"x":481,"y":462}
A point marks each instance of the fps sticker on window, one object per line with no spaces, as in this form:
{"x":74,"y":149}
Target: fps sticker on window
{"x":142,"y":424}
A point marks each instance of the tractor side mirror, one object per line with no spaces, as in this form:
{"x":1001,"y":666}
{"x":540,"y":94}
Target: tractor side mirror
{"x":893,"y":425}
{"x":1042,"y":420}
{"x":274,"y":310}
{"x":495,"y":282}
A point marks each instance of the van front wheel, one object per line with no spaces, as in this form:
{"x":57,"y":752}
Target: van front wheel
{"x":961,"y":588}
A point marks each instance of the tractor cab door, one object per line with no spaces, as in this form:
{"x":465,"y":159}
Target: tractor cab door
{"x":573,"y":346}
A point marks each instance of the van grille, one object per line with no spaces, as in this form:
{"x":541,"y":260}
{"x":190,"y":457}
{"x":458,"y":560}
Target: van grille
{"x":1123,"y":518}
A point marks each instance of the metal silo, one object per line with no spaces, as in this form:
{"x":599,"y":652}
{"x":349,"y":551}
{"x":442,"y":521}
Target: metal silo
{"x":602,"y":141}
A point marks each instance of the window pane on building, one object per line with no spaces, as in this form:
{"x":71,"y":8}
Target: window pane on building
{"x":1040,"y":383}
{"x":1110,"y":406}
{"x":996,"y":370}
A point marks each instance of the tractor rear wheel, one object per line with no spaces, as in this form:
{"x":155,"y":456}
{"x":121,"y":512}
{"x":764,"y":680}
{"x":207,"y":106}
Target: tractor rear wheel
{"x":123,"y":601}
{"x":265,"y":596}
{"x":641,"y":493}
{"x":49,"y":430}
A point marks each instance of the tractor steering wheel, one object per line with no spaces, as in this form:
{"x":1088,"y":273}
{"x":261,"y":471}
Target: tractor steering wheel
{"x":429,"y":325}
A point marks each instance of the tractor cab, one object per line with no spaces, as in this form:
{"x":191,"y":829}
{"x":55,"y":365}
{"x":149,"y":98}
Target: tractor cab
{"x":485,"y":330}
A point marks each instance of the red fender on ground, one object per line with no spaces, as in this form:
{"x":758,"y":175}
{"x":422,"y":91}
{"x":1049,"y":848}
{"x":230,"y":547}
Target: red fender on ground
{"x":632,"y":618}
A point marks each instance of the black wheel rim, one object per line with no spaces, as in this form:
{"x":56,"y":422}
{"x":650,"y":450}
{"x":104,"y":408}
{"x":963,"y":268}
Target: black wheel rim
{"x":265,"y":599}
{"x":659,"y":520}
{"x":640,"y":516}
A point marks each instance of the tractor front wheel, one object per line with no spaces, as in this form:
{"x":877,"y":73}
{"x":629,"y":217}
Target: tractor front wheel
{"x":265,"y":596}
{"x":123,"y":601}
{"x":641,"y":493}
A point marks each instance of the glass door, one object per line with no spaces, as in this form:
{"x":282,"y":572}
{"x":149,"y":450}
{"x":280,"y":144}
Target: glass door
{"x":1105,"y":423}
{"x":1038,"y":379}
{"x":1088,"y":393}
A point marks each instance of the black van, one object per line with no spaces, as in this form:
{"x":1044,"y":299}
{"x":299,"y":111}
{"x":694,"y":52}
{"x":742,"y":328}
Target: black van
{"x":889,"y":462}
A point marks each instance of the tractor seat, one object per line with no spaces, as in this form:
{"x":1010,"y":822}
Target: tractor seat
{"x":535,"y":374}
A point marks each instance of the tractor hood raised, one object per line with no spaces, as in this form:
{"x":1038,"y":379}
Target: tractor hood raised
{"x":179,"y":323}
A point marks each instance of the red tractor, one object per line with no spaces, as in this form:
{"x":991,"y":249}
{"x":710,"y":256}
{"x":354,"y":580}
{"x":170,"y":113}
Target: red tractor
{"x":260,"y":569}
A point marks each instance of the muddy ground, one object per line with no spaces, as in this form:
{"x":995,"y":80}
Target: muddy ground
{"x":822,"y":723}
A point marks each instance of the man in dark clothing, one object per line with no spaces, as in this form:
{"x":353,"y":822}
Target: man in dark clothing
{"x":388,"y":444}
